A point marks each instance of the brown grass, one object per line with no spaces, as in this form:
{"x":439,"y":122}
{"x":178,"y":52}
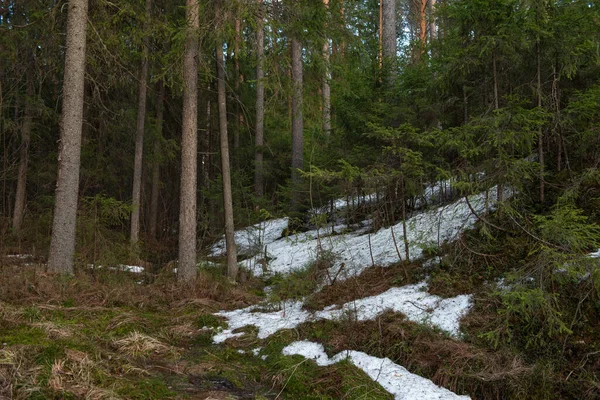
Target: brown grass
{"x":140,"y":345}
{"x":459,"y":366}
{"x":93,"y":290}
{"x":372,"y":281}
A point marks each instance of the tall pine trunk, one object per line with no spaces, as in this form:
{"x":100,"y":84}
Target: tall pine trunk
{"x":232,"y":267}
{"x":62,"y":242}
{"x":20,"y":196}
{"x":540,"y":132}
{"x":297,"y":120}
{"x":260,"y":104}
{"x":432,"y":25}
{"x":139,"y":136}
{"x":326,"y":88}
{"x":189,"y":144}
{"x":389,"y":40}
{"x":153,"y":218}
{"x":238,"y":83}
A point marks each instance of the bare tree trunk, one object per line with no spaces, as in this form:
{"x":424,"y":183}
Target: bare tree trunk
{"x":297,"y":118}
{"x":238,"y":81}
{"x":380,"y":39}
{"x":156,"y":166}
{"x":260,"y":105}
{"x":20,"y":196}
{"x":205,"y":143}
{"x":325,"y":86}
{"x":495,"y":80}
{"x":62,"y":242}
{"x":540,"y":132}
{"x":389,"y":40}
{"x":423,"y":25}
{"x":232,"y":267}
{"x":139,"y":137}
{"x":189,"y":144}
{"x":432,"y":25}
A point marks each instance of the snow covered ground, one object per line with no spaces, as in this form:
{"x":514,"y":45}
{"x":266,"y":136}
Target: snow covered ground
{"x":411,"y":300}
{"x":356,"y":250}
{"x":392,"y":377}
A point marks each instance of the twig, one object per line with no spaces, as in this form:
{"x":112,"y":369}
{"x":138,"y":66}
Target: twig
{"x":371,"y":251}
{"x":342,"y":265}
{"x":290,"y":377}
{"x":398,"y":252}
{"x":482,"y":219}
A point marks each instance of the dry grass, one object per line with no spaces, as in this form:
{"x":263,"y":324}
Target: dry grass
{"x":140,"y":345}
{"x":74,"y":374}
{"x":370,"y":282}
{"x":457,"y":365}
{"x":18,"y":376}
{"x":31,"y":284}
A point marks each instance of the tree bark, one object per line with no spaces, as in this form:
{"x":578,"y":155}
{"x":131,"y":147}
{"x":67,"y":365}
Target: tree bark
{"x":389,"y":40}
{"x":432,"y":25}
{"x":189,"y":144}
{"x":325,"y":84}
{"x":232,"y":267}
{"x":423,"y":25}
{"x":139,"y":136}
{"x":297,"y":118}
{"x":153,"y":218}
{"x":62,"y":242}
{"x":238,"y":82}
{"x":540,"y":132}
{"x":260,"y":105}
{"x":20,"y":196}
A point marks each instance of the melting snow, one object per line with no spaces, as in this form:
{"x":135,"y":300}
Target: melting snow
{"x":411,"y":300}
{"x":394,"y":378}
{"x":357,"y":250}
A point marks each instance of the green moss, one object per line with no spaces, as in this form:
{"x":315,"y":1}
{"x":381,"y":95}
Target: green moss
{"x":23,"y":335}
{"x":209,"y":320}
{"x":150,"y":388}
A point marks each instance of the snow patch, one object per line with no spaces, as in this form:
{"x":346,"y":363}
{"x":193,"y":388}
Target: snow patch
{"x":394,"y":378}
{"x":411,"y":300}
{"x":357,"y":251}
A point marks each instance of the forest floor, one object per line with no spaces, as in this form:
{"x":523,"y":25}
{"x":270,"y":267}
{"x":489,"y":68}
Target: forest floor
{"x":332,"y":313}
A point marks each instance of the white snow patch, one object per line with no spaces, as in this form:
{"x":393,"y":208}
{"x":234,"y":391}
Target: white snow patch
{"x":411,"y":300}
{"x":394,"y":378}
{"x":289,"y":316}
{"x":251,"y":239}
{"x":357,"y":251}
{"x":20,"y":256}
{"x":131,"y":268}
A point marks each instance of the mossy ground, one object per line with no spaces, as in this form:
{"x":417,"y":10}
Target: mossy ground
{"x":103,"y":336}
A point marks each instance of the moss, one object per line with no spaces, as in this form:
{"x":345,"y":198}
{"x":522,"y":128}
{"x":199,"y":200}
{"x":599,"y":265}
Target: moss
{"x":151,"y":388}
{"x":23,"y":335}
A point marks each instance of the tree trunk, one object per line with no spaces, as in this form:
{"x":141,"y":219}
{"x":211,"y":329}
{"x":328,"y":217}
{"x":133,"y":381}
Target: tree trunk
{"x":389,"y":40}
{"x":20,"y":196}
{"x":139,"y":137}
{"x":189,"y":144}
{"x":325,"y":85}
{"x":423,"y":25}
{"x":540,"y":132}
{"x":432,"y":25}
{"x":62,"y":242}
{"x":156,"y":166}
{"x":232,"y":267}
{"x":238,"y":82}
{"x":260,"y":105}
{"x":297,"y":119}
